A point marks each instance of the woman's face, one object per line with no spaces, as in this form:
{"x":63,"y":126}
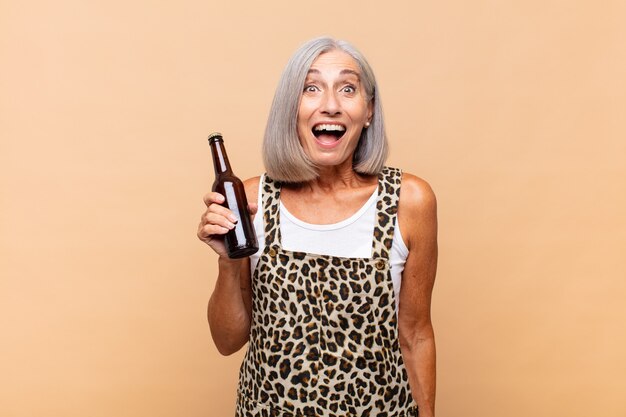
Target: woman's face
{"x":333,"y":109}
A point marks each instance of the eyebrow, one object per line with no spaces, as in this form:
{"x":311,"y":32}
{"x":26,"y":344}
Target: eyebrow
{"x":342,"y":72}
{"x":353,"y":72}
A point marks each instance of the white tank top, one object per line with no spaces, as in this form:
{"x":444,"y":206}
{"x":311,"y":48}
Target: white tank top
{"x":350,"y":238}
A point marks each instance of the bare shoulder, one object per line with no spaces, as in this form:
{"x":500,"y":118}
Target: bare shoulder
{"x":251,"y":186}
{"x":416,"y":194}
{"x":417,"y":210}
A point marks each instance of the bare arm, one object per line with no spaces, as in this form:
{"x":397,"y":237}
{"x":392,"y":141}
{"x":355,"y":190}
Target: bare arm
{"x":229,"y":309}
{"x":417,"y":216}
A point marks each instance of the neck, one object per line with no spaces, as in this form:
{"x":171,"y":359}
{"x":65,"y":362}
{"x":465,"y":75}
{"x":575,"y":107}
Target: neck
{"x":335,"y":178}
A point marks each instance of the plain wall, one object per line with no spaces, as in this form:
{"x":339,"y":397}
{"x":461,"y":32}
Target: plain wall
{"x":513,"y":111}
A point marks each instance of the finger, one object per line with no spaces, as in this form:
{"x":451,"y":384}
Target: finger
{"x":213,"y":197}
{"x":222,"y":211}
{"x":209,"y":231}
{"x":218,"y":219}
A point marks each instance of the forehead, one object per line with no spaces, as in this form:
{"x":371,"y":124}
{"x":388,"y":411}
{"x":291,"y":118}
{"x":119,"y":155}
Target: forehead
{"x":335,"y":61}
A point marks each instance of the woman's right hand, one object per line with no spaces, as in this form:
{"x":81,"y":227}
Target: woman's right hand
{"x":216,"y":221}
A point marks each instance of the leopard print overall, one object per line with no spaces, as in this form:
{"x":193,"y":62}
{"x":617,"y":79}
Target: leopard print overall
{"x":324,"y":336}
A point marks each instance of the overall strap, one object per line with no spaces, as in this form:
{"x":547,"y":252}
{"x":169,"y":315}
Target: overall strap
{"x":271,"y":211}
{"x":389,"y":181}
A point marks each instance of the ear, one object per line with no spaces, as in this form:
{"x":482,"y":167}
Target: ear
{"x":370,"y":111}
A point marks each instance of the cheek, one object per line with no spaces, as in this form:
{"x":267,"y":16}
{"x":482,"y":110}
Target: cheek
{"x":305,"y":112}
{"x":302,"y":128}
{"x":358,"y":109}
{"x":305,"y":109}
{"x":302,"y":120}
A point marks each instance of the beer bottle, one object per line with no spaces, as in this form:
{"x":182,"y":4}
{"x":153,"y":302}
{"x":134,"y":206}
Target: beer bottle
{"x":241,"y":240}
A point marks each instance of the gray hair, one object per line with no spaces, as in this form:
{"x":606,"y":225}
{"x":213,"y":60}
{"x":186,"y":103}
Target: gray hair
{"x":283,"y":156}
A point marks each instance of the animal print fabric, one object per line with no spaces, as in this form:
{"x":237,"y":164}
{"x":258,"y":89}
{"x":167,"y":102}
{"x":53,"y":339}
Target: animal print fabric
{"x":324,"y":334}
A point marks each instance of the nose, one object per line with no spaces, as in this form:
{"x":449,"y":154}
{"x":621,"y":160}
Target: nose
{"x":331,"y":105}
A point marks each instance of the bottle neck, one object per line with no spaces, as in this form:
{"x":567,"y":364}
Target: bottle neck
{"x":220,"y":159}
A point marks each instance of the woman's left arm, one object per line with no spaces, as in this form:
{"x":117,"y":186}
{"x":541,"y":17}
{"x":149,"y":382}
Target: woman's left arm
{"x":417,"y":217}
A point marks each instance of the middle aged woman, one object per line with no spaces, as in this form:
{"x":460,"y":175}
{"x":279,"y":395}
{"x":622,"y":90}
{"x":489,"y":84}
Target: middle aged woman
{"x":336,"y":303}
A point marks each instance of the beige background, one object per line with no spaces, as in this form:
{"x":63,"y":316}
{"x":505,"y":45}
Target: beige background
{"x":513,"y":111}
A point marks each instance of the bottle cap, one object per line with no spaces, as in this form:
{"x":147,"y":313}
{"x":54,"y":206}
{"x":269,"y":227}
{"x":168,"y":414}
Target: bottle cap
{"x":215,"y":136}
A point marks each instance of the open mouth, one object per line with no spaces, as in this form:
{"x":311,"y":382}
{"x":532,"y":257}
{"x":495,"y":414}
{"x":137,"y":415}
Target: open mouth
{"x":328,"y":133}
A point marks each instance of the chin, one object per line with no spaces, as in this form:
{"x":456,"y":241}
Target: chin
{"x":329,"y":162}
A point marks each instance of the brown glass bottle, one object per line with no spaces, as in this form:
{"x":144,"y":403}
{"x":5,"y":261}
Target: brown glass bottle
{"x":240,"y":241}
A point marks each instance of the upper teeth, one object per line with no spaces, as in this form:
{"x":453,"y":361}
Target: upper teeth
{"x":330,"y":127}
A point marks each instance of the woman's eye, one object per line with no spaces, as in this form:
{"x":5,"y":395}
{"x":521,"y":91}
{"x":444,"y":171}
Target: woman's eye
{"x":350,"y":89}
{"x":310,"y":89}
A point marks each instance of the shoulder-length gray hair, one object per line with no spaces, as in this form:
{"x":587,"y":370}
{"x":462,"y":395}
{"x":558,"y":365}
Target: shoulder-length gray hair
{"x":283,"y":155}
